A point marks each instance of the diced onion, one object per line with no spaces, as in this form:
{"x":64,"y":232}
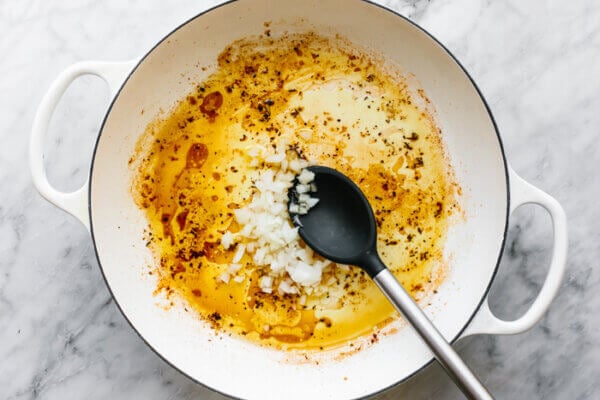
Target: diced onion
{"x":225,"y":277}
{"x":306,"y":177}
{"x":239,"y":253}
{"x":227,"y":240}
{"x":311,"y":202}
{"x":302,"y":188}
{"x":267,"y":234}
{"x":233,"y":268}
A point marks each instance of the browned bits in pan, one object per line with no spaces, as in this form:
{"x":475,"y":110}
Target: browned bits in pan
{"x":181,"y":217}
{"x":210,"y":104}
{"x":196,"y":155}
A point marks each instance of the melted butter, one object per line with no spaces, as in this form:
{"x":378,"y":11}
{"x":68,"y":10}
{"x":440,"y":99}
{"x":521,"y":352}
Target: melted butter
{"x":338,"y":108}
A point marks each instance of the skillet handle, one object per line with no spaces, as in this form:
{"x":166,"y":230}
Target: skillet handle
{"x":522,"y":193}
{"x":76,"y":202}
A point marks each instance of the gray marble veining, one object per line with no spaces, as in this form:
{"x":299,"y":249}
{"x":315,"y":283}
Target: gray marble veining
{"x":537,"y":63}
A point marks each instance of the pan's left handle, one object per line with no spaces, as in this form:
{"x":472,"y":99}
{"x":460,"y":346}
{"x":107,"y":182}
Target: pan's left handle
{"x":76,"y":202}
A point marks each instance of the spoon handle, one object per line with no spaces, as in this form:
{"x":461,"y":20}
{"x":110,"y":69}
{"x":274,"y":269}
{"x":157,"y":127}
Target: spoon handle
{"x":445,"y":354}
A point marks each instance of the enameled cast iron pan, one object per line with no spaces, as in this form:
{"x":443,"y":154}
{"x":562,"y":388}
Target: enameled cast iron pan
{"x":492,"y":190}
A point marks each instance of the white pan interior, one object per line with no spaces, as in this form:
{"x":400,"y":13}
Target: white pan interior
{"x":231,"y":365}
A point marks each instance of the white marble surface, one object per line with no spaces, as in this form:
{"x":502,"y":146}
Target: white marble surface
{"x":61,"y":336}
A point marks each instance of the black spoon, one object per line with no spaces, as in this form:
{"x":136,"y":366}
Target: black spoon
{"x":341,"y":227}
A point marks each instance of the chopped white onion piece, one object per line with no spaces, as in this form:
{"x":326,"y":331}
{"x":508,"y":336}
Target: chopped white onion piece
{"x":303,"y":198}
{"x":227,"y":240}
{"x":233,"y":268}
{"x":311,"y":202}
{"x":265,"y":282}
{"x":225,"y":277}
{"x":297,"y":221}
{"x":287,"y":287}
{"x":302,"y":188}
{"x":239,"y":253}
{"x":296,"y":165}
{"x":306,"y":177}
{"x":275,"y":158}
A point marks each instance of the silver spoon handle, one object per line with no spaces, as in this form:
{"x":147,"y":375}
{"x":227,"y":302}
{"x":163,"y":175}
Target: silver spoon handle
{"x":445,"y":354}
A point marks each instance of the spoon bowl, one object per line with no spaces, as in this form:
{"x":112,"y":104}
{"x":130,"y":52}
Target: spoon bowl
{"x":341,"y":227}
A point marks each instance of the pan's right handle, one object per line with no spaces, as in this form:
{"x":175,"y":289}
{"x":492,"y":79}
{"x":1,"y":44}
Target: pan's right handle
{"x":485,"y":321}
{"x":76,"y":202}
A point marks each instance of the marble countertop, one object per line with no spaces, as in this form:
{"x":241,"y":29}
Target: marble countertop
{"x":61,"y":335}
